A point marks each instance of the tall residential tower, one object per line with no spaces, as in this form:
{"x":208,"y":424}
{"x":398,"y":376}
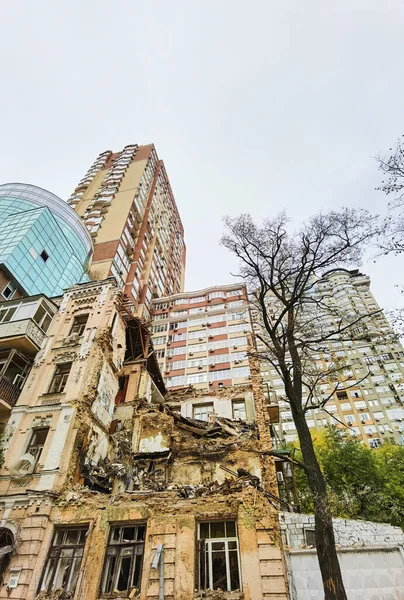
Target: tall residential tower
{"x":126,"y":203}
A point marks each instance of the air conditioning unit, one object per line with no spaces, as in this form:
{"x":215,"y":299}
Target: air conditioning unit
{"x":167,"y":371}
{"x":190,"y":353}
{"x":200,"y":367}
{"x":377,"y":420}
{"x":168,"y":343}
{"x":211,"y":350}
{"x":24,"y":466}
{"x":207,"y":324}
{"x":201,"y":339}
{"x":203,"y":324}
{"x":210,"y":382}
{"x":236,"y":362}
{"x":212,"y":366}
{"x":211,"y":336}
{"x":235,"y":347}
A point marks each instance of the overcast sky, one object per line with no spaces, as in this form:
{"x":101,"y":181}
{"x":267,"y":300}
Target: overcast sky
{"x":253,"y":106}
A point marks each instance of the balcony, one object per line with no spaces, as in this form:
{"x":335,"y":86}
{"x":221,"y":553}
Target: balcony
{"x":9,"y":392}
{"x":14,"y":369}
{"x":24,"y":322}
{"x":273,"y":412}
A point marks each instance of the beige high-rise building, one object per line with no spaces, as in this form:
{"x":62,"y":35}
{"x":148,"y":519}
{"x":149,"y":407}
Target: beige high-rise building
{"x":369,"y":405}
{"x":201,"y":337}
{"x":126,"y":203}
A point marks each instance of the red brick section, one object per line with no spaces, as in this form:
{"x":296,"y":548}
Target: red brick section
{"x":105,"y":251}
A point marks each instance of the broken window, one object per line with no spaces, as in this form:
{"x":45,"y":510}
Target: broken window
{"x":239,"y":410}
{"x":310,"y":537}
{"x":124,"y":558}
{"x":64,"y":559}
{"x":37,"y":442}
{"x":6,"y":549}
{"x":60,"y":378}
{"x":79,"y":325}
{"x":203,"y":411}
{"x":219,"y":563}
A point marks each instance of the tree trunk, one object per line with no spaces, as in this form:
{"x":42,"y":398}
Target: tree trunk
{"x":324,"y":532}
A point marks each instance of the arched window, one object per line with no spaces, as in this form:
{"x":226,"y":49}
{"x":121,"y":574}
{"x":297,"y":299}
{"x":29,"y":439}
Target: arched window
{"x":6,"y":550}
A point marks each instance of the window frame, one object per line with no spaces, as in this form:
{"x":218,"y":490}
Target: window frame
{"x":202,"y":405}
{"x":111,"y":574}
{"x":64,"y":376}
{"x":81,"y":323}
{"x":205,"y":546}
{"x":36,"y":449}
{"x":54,"y":554}
{"x":13,"y":289}
{"x":239,"y":402}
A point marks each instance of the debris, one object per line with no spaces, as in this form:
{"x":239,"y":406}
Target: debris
{"x":59,"y":594}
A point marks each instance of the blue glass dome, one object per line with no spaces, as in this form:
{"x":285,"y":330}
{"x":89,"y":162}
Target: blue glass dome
{"x":44,"y":245}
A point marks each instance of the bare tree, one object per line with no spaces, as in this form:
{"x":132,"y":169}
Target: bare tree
{"x":391,"y":165}
{"x":284,"y":272}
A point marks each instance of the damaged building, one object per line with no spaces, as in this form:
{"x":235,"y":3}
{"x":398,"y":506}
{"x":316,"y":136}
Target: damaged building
{"x":113,"y":487}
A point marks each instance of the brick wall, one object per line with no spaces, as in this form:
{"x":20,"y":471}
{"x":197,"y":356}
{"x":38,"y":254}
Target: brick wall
{"x":348,"y":533}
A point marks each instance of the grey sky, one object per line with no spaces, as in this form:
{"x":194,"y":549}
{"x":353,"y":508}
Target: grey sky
{"x":254,"y":106}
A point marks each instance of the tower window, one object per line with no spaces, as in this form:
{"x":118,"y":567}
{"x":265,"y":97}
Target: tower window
{"x":44,"y":255}
{"x":79,"y":325}
{"x":37,"y":442}
{"x":8,"y":291}
{"x":60,"y":378}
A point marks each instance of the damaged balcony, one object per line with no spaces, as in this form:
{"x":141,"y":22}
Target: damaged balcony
{"x":24,"y":322}
{"x":14,"y":369}
{"x":140,"y":376}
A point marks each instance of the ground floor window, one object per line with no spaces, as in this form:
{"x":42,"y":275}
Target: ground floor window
{"x":64,"y":559}
{"x":6,"y":549}
{"x":124,"y":559}
{"x":219,"y":561}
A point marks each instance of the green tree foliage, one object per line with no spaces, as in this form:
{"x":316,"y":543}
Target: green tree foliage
{"x":362,"y":483}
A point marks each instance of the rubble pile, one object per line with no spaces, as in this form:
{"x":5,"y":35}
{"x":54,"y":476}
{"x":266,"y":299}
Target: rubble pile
{"x":216,"y":427}
{"x":59,"y":594}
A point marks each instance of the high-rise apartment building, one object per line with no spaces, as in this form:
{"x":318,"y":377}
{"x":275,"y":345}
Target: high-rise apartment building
{"x":201,"y":337}
{"x":126,"y":202}
{"x":369,"y":403}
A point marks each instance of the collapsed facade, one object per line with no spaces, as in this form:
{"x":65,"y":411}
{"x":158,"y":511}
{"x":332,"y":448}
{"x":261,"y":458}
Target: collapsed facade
{"x":110,"y":489}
